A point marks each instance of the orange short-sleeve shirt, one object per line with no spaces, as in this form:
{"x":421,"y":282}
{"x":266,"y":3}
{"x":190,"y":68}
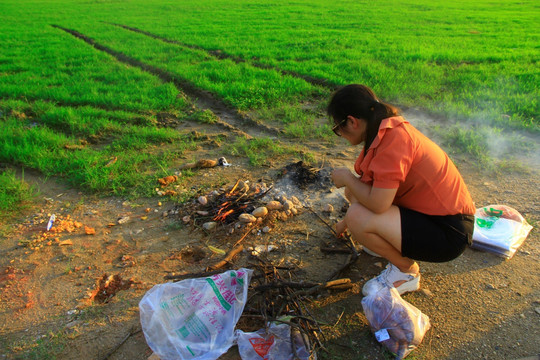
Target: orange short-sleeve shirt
{"x":401,"y":157}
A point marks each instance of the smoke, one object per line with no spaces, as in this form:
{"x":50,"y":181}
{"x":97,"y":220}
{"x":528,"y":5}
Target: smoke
{"x":498,"y":144}
{"x":316,"y":194}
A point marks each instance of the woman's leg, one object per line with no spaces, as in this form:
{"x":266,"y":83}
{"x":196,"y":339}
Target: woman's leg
{"x":380,"y":233}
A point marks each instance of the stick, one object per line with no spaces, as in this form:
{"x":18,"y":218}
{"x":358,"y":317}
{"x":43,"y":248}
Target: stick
{"x":323,"y":221}
{"x":339,"y":284}
{"x":346,"y":236}
{"x":227,"y":258}
{"x":340,"y":316}
{"x":335,"y":250}
{"x":191,"y":275}
{"x":284,"y":284}
{"x":242,"y":238}
{"x":293,"y":344}
{"x":131,"y":332}
{"x":352,"y":259}
{"x":348,"y":264}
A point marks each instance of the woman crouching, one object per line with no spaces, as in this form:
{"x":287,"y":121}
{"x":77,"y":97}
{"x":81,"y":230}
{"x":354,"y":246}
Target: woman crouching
{"x":409,"y":201}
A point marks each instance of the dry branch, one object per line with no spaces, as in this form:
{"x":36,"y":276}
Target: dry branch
{"x":132,"y":332}
{"x":227,"y":258}
{"x":192,"y":275}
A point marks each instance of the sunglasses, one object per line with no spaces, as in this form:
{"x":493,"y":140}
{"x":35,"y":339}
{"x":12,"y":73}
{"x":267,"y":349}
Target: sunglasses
{"x":336,"y":127}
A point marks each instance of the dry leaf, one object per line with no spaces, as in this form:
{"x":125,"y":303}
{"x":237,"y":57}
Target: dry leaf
{"x":89,"y":231}
{"x":167,"y":180}
{"x":112,"y":161}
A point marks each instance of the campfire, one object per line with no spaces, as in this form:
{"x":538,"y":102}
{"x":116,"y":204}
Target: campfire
{"x":238,"y":200}
{"x":241,"y":205}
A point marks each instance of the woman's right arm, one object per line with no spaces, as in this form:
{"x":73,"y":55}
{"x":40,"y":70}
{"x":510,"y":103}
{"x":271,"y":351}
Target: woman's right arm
{"x":377,"y":200}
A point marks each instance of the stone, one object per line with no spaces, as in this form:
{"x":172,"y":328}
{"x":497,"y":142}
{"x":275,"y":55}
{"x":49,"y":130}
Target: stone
{"x":260,"y":211}
{"x":266,"y":229}
{"x":274,"y":205}
{"x":73,"y":323}
{"x":123,"y":220}
{"x":186,"y":219}
{"x":209,"y":225}
{"x":259,"y":249}
{"x":288,"y":205}
{"x":295,"y":201}
{"x":247,"y":218}
{"x":328,"y":208}
{"x":203,"y":200}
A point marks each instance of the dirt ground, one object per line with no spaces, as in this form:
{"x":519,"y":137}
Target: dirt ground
{"x":481,"y":306}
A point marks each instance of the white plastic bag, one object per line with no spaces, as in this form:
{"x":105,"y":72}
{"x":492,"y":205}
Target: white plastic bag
{"x":499,"y":229}
{"x":194,"y":318}
{"x":273,"y":343}
{"x":396,"y":324}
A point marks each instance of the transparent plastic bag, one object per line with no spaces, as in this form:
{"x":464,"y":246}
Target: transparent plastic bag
{"x":499,"y":229}
{"x":273,"y":343}
{"x":194,"y":318}
{"x":395,"y":323}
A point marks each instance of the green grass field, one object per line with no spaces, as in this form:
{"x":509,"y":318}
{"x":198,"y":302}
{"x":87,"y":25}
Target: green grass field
{"x":67,"y":108}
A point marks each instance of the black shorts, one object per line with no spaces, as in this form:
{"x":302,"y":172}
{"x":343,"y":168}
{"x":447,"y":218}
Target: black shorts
{"x":434,"y":238}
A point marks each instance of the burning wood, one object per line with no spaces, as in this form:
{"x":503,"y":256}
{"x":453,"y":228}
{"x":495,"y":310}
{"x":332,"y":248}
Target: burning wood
{"x":240,"y":203}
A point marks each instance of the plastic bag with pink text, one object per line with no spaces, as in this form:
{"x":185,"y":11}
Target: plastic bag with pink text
{"x":273,"y":343}
{"x":194,"y":318}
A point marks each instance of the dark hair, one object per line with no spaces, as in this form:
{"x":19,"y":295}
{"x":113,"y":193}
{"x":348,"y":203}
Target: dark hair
{"x":360,"y":101}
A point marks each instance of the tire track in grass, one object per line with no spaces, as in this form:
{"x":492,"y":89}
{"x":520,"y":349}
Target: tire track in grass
{"x":229,"y":119}
{"x":220,"y":54}
{"x":75,"y":104}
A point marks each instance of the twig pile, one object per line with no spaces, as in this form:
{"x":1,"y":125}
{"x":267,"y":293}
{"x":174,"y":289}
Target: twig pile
{"x":276,"y":297}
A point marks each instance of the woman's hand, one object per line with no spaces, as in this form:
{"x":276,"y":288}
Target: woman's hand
{"x":341,"y":176}
{"x":377,"y":200}
{"x":341,"y":227}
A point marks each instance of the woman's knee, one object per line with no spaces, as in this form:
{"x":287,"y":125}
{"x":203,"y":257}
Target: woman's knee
{"x":358,"y":217}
